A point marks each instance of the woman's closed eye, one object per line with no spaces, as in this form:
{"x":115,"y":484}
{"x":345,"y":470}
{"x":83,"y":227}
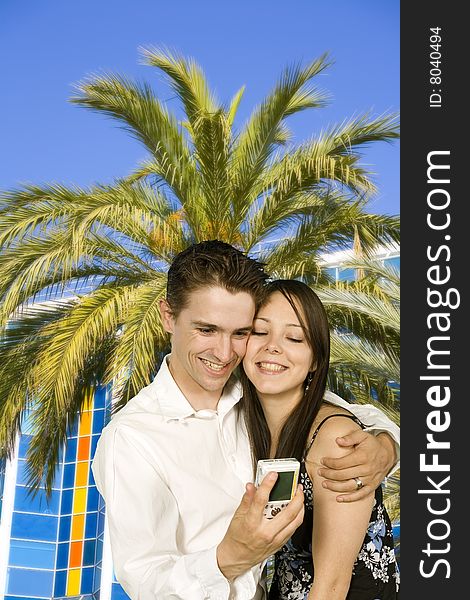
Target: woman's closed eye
{"x":257,"y":332}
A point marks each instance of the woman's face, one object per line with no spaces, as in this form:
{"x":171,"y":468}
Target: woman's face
{"x":278,"y":357}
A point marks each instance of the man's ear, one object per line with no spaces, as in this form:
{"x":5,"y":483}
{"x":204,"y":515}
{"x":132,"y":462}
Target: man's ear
{"x":166,"y":313}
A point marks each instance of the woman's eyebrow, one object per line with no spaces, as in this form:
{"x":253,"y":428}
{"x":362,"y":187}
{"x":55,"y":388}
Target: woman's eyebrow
{"x":269,"y":321}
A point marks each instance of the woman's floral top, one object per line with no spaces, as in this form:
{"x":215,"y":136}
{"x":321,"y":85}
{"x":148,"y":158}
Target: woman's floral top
{"x":375,"y":574}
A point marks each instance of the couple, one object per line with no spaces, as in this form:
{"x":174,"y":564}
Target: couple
{"x":174,"y":463}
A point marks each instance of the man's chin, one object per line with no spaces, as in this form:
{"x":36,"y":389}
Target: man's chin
{"x":214,"y":386}
{"x":214,"y":383}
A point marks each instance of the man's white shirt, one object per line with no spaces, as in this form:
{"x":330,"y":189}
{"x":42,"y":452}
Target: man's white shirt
{"x":172,"y":478}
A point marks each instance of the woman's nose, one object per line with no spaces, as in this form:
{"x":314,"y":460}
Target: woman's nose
{"x":273,"y":347}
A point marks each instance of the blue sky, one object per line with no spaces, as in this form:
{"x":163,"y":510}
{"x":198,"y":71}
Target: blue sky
{"x":48,"y":45}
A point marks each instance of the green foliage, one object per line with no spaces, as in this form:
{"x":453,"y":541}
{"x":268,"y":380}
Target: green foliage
{"x":205,"y":177}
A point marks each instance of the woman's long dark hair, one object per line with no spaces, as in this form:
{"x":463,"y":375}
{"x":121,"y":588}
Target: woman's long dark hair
{"x":295,"y":431}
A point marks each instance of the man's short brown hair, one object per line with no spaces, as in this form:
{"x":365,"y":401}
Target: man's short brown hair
{"x":213,"y":264}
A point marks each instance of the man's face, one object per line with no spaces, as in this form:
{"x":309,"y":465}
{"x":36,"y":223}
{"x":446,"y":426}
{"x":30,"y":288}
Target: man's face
{"x":208,"y":341}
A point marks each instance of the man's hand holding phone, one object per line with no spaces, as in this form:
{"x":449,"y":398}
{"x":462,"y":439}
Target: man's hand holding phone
{"x":286,"y":484}
{"x":251,"y":537}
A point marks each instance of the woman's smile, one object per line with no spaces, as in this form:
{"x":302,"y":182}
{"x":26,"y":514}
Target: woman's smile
{"x":271,"y":367}
{"x":278,"y":357}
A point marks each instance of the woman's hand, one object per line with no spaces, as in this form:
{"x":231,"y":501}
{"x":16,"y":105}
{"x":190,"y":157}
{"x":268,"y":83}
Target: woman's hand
{"x":368,"y":463}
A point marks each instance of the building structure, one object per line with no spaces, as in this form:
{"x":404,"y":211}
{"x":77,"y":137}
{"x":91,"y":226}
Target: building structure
{"x":56,"y":547}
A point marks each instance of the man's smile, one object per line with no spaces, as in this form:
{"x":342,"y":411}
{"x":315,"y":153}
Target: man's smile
{"x":215,"y":366}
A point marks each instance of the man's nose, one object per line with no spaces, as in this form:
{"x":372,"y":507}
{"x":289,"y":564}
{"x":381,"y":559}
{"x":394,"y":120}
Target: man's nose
{"x":224,"y":349}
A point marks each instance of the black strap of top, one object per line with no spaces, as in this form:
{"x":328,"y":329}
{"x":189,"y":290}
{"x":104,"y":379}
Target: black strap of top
{"x":353,"y":417}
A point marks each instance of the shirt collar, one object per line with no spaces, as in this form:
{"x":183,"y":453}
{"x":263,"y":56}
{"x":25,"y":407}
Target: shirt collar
{"x":174,"y":405}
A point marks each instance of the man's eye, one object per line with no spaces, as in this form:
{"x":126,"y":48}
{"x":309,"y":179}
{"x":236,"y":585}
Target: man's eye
{"x":205,"y":330}
{"x":241,"y":334}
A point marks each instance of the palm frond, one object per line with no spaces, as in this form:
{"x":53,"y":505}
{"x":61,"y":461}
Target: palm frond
{"x":392,"y":496}
{"x":139,"y":343}
{"x":211,"y":135}
{"x":33,"y":210}
{"x":186,"y":78}
{"x":233,"y":106}
{"x":366,"y":372}
{"x":145,"y":118}
{"x":377,"y":278}
{"x":20,"y":344}
{"x":356,"y":355}
{"x":347,"y":306}
{"x":356,"y":132}
{"x":68,"y":348}
{"x":263,"y":132}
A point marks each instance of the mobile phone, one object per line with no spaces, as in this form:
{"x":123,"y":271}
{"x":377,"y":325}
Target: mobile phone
{"x":285,"y":486}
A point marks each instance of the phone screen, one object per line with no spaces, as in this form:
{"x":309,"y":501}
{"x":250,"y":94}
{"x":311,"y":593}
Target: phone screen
{"x":283,"y":487}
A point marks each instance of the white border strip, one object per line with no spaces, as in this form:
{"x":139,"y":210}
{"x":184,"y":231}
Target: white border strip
{"x":11,"y":471}
{"x":106,"y":584}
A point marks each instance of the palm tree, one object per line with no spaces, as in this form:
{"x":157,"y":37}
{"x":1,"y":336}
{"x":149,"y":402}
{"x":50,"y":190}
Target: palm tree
{"x":365,"y":345}
{"x":111,"y":244}
{"x":365,"y":318}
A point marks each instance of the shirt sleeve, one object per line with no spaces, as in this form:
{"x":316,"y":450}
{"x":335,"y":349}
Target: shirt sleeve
{"x":375,"y":420}
{"x":143,"y":521}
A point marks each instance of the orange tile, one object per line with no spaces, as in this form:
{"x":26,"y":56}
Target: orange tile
{"x":78,"y":527}
{"x":83,"y":448}
{"x":75,"y":559}
{"x":81,"y":474}
{"x":85,"y":424}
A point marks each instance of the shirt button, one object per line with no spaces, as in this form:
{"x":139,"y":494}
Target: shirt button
{"x":206,"y":414}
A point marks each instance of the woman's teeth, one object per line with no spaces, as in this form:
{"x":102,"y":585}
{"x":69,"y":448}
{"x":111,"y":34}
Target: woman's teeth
{"x":271,"y":367}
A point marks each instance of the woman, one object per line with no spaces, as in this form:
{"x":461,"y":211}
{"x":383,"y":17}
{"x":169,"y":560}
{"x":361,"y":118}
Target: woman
{"x":341,"y":550}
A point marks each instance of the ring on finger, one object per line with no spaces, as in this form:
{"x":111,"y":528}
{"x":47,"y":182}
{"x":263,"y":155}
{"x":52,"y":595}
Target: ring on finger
{"x":359,"y":483}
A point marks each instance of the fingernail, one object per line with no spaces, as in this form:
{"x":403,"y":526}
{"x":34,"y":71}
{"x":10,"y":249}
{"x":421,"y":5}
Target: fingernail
{"x":320,"y":471}
{"x":324,"y":484}
{"x":300,"y":487}
{"x":272,"y":475}
{"x":340,"y":499}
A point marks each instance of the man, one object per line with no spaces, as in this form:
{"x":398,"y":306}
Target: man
{"x":173,"y":463}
